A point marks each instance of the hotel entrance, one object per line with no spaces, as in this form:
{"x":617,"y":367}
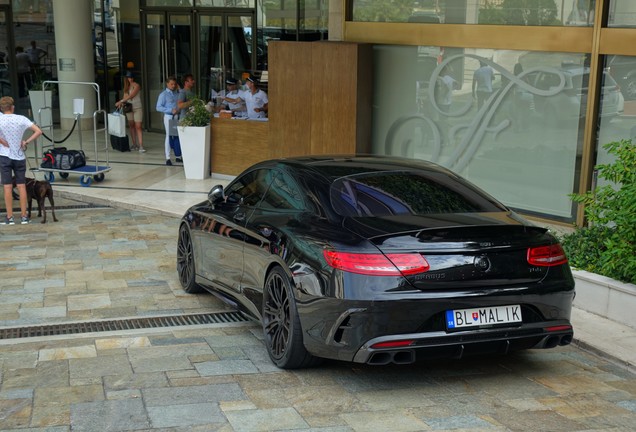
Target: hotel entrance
{"x":207,"y":44}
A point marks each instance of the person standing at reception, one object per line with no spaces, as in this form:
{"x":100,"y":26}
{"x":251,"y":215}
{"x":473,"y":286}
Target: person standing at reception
{"x":255,"y":99}
{"x":167,"y":104}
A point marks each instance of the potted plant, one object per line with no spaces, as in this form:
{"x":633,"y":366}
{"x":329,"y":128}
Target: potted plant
{"x":39,"y":99}
{"x":194,"y":135}
{"x":603,"y":253}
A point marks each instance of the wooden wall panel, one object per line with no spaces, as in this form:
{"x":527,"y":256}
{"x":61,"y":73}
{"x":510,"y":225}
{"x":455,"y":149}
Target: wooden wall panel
{"x":237,"y":144}
{"x":290,"y":81}
{"x":320,"y":97}
{"x":334,"y":100}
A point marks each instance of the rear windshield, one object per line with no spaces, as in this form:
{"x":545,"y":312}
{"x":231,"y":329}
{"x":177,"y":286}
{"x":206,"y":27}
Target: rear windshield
{"x":407,"y":193}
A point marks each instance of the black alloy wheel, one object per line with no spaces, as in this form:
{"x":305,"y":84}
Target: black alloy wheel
{"x":185,"y":262}
{"x":281,"y":325}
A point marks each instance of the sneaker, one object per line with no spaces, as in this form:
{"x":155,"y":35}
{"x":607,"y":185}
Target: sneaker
{"x":9,"y":221}
{"x":169,"y":162}
{"x":178,"y":160}
{"x":24,"y":220}
{"x":142,"y":150}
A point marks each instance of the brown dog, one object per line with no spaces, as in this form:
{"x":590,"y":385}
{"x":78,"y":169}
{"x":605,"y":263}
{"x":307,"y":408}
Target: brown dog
{"x":38,"y":190}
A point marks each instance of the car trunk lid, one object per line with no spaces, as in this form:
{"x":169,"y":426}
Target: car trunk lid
{"x":463,"y":250}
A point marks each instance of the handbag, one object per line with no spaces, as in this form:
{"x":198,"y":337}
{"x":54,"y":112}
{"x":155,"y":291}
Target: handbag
{"x":128,"y":107}
{"x":173,"y":123}
{"x":117,"y":124}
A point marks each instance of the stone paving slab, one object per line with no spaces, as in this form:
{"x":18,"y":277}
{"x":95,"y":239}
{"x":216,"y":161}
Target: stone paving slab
{"x":219,"y":377}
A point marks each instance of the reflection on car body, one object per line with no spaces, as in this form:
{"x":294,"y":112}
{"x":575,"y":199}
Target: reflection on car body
{"x":375,"y":260}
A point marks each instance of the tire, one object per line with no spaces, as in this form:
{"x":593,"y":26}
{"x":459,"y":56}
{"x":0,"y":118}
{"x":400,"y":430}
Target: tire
{"x":86,"y":180}
{"x":281,"y":325}
{"x":185,"y":262}
{"x":49,"y":177}
{"x":64,"y":175}
{"x":99,"y":177}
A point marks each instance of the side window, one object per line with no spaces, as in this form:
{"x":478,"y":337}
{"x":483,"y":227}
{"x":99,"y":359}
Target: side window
{"x":283,"y":194}
{"x":250,"y":188}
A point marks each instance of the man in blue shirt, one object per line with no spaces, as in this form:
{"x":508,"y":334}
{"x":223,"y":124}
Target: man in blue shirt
{"x":167,"y":104}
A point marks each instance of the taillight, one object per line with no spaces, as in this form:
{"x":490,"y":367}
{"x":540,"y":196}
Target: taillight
{"x":558,"y":328}
{"x":393,"y":344}
{"x":377,"y":264}
{"x":547,"y":256}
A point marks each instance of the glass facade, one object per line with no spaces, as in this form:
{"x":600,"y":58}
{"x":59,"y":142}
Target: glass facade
{"x":510,"y":121}
{"x":494,"y":12}
{"x":558,"y":83}
{"x":622,"y":13}
{"x":621,"y":71}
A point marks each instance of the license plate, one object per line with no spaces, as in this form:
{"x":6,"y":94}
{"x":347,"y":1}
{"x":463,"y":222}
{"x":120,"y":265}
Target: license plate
{"x":486,"y":316}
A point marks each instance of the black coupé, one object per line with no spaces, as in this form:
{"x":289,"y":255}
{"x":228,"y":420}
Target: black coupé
{"x":375,"y":260}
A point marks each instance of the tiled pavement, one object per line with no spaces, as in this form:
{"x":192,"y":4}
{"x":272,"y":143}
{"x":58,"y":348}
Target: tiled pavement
{"x":103,"y":263}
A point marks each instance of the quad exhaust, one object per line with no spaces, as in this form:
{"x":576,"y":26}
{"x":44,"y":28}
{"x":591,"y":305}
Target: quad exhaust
{"x":401,"y":357}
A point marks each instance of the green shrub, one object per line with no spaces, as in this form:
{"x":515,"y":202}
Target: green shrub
{"x":196,"y":115}
{"x":608,"y":245}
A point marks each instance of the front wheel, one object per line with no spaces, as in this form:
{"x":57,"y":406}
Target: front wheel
{"x":281,"y":325}
{"x":185,"y":262}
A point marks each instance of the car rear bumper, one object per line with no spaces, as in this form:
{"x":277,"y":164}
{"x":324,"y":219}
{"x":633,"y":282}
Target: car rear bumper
{"x":350,"y":330}
{"x":458,"y":345}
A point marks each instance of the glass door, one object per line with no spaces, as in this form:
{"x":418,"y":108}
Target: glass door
{"x":168,"y":50}
{"x":226,"y":49}
{"x":7,"y":69}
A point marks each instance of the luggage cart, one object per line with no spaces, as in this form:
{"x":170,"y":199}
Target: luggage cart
{"x":88,"y":172}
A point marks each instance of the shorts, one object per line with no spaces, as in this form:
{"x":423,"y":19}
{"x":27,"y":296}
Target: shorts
{"x":137,"y":115}
{"x":10,"y":167}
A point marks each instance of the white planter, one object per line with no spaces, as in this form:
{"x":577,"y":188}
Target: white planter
{"x":195,"y":149}
{"x":606,"y":297}
{"x":38,"y":98}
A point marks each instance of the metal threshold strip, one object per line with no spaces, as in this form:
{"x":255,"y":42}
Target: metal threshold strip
{"x":121,"y":324}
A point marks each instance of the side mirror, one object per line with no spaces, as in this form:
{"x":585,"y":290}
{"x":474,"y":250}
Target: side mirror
{"x":216,"y":194}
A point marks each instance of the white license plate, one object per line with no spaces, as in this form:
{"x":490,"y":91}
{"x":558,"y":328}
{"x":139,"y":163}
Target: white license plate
{"x":486,"y":316}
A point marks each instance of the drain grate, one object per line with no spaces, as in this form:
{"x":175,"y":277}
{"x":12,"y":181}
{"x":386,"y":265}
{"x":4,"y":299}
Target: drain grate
{"x":122,"y":324}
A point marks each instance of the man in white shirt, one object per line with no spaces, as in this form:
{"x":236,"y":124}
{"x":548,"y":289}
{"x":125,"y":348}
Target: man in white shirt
{"x":255,"y":99}
{"x":35,"y":55}
{"x":12,"y":157}
{"x":230,"y":98}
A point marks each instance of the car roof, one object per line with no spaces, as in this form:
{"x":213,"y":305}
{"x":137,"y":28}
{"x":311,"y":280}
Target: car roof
{"x":335,"y":166}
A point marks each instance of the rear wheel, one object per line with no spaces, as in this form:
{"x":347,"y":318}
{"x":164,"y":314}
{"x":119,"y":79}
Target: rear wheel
{"x":281,"y":325}
{"x":185,"y":262}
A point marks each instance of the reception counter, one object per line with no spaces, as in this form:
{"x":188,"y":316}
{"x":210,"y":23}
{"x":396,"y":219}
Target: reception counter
{"x":237,"y":144}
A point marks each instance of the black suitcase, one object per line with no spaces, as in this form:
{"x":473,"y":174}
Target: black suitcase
{"x":120,"y":143}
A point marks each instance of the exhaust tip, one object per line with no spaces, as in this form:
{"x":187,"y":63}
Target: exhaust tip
{"x":380,"y":359}
{"x":397,"y":357}
{"x":551,"y":342}
{"x":565,"y":340}
{"x":404,"y":357}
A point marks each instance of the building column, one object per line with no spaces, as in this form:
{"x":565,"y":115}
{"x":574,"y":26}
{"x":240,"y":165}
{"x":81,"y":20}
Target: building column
{"x":73,"y":21}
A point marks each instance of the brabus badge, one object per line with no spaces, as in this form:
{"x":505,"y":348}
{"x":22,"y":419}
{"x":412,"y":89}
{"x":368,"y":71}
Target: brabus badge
{"x":482,"y":263}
